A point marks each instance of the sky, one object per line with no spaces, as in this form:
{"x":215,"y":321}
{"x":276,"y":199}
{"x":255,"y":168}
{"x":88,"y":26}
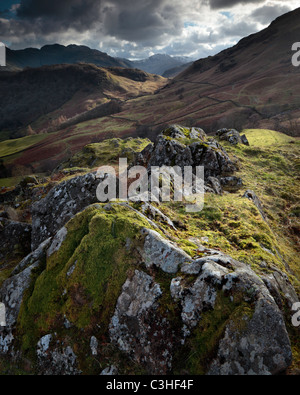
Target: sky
{"x":136,"y":29}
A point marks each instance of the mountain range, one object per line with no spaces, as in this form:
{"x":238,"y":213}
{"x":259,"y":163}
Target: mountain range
{"x":72,"y":54}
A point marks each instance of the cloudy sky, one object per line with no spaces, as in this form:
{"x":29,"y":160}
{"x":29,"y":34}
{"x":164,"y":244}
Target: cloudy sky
{"x":136,"y":29}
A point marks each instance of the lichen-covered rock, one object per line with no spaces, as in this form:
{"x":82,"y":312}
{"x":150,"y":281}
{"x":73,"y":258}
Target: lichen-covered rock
{"x":178,"y":146}
{"x":201,"y":296}
{"x":109,"y":371}
{"x":60,"y":205}
{"x":157,"y":251}
{"x":54,"y":358}
{"x":280,"y":288}
{"x":15,"y":239}
{"x":260,"y":347}
{"x":154,"y":213}
{"x":256,"y":344}
{"x":12,"y":292}
{"x":136,"y":327}
{"x":252,"y":196}
{"x":230,"y":135}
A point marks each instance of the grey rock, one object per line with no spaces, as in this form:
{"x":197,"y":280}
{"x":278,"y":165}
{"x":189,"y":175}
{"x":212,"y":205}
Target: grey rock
{"x":201,"y":295}
{"x":15,"y":239}
{"x":261,"y":347}
{"x":158,"y":251}
{"x":136,"y":327}
{"x":230,"y":135}
{"x":94,"y":345}
{"x":57,"y":241}
{"x":245,"y":140}
{"x":258,"y":343}
{"x":60,"y":205}
{"x":109,"y":371}
{"x":231,"y":184}
{"x":154,"y":213}
{"x":54,"y":358}
{"x":215,"y":184}
{"x":11,"y":293}
{"x":281,"y":288}
{"x":35,"y":257}
{"x":2,"y":315}
{"x":252,"y":196}
{"x":169,"y":151}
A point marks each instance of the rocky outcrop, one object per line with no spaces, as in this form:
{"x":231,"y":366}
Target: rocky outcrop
{"x":60,"y":205}
{"x":178,"y":146}
{"x":15,"y":239}
{"x":232,"y":136}
{"x":12,"y":292}
{"x":158,"y":307}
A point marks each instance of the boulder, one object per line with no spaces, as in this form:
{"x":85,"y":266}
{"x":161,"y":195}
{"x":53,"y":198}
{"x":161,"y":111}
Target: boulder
{"x":15,"y":239}
{"x":136,"y":327}
{"x":230,"y":135}
{"x":54,"y":358}
{"x":178,"y":146}
{"x":63,"y":201}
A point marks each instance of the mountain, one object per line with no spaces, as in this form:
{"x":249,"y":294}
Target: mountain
{"x":252,"y":84}
{"x":59,"y":54}
{"x":172,"y":72}
{"x":72,"y":54}
{"x":160,"y":63}
{"x":35,"y":94}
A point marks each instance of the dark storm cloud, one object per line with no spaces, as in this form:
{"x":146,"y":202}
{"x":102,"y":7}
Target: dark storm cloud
{"x":267,"y":14}
{"x":140,"y":21}
{"x":143,"y":20}
{"x":79,"y":14}
{"x":217,"y":4}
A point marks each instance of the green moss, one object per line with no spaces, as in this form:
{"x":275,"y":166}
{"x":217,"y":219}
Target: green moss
{"x":107,"y":152}
{"x":82,"y":281}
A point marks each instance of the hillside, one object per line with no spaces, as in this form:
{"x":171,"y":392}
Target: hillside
{"x":160,"y":64}
{"x":59,"y":54}
{"x":252,"y":84}
{"x":37,"y":93}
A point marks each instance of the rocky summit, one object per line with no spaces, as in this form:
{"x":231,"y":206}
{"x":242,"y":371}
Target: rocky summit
{"x":145,"y":287}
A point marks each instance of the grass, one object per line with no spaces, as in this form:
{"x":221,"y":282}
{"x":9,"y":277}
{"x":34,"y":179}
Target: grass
{"x":106,"y":153}
{"x":10,"y":181}
{"x":11,"y":147}
{"x":265,"y":137}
